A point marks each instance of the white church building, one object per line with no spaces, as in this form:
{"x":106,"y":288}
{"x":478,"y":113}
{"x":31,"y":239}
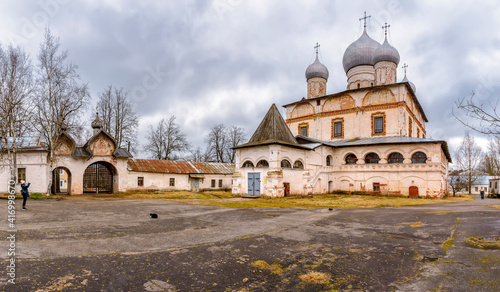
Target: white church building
{"x":101,"y":166}
{"x":370,"y":137}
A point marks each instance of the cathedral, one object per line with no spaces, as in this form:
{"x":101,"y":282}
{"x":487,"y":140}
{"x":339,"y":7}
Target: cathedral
{"x":370,"y":137}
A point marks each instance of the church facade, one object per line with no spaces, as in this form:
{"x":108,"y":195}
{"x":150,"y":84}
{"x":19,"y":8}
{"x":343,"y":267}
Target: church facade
{"x":370,"y":137}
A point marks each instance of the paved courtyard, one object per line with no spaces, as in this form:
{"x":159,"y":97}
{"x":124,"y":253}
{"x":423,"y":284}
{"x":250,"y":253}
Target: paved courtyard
{"x":114,"y":245}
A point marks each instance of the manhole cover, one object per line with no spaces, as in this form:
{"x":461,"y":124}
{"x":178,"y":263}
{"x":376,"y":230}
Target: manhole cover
{"x":487,"y":242}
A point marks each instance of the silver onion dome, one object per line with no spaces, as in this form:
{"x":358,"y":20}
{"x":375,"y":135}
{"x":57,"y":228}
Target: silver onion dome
{"x":386,"y":52}
{"x":360,"y":52}
{"x":411,"y":84}
{"x":317,"y":69}
{"x":97,"y":123}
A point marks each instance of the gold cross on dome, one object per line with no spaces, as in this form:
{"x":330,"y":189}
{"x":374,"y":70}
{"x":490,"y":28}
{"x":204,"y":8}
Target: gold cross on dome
{"x":385,"y":27}
{"x":365,"y":17}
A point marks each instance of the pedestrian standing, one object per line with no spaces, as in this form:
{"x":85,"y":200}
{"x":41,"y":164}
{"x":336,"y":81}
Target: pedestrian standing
{"x":482,"y":193}
{"x":25,"y":192}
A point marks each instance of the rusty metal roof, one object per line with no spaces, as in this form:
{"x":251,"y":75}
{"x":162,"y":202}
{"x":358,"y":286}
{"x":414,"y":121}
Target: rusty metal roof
{"x":181,"y":167}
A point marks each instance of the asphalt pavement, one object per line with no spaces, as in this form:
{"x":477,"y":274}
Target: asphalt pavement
{"x":114,"y":245}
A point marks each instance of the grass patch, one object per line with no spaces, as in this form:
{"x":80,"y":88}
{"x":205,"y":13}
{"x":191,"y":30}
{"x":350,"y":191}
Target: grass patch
{"x":263,"y":265}
{"x":448,"y":243}
{"x":315,"y":278}
{"x":175,"y":195}
{"x":495,"y":206}
{"x":227,"y":199}
{"x":414,"y":224}
{"x":491,"y":242}
{"x":331,"y":200}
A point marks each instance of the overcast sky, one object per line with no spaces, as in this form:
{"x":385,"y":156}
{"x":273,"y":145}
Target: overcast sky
{"x":228,"y":61}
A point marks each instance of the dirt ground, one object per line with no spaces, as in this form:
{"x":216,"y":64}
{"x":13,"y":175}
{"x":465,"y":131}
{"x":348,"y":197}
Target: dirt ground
{"x":114,"y":245}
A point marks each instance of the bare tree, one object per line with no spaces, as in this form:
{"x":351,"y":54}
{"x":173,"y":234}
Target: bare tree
{"x":492,"y":157}
{"x":217,"y":143}
{"x":235,"y":136}
{"x":16,"y":86}
{"x":198,"y":155}
{"x":220,"y":141}
{"x":468,"y":159}
{"x":458,"y":181}
{"x":60,"y":95}
{"x":477,"y":116}
{"x":118,"y":116}
{"x":166,"y":141}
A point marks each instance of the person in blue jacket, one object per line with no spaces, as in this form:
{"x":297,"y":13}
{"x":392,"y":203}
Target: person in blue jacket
{"x":482,"y":193}
{"x":25,"y":192}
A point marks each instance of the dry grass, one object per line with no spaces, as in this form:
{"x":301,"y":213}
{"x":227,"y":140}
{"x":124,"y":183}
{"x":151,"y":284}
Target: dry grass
{"x":176,"y":195}
{"x":495,"y":206}
{"x":226,"y":199}
{"x":414,"y":224}
{"x":263,"y":265}
{"x":331,"y":200}
{"x":315,"y":278}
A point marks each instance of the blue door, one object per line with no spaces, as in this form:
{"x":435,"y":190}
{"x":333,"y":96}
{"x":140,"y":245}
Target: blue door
{"x":254,"y":184}
{"x":195,"y":184}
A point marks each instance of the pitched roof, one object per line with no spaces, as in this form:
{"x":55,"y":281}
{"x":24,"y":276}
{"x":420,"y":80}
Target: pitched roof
{"x":272,"y":130}
{"x":24,"y":143}
{"x":179,"y":167}
{"x":375,"y":141}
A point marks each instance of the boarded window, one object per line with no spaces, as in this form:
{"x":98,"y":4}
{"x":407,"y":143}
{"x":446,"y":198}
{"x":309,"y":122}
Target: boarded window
{"x":477,"y":189}
{"x":298,"y":164}
{"x":378,"y":125}
{"x":140,"y":181}
{"x":285,"y":164}
{"x":21,"y":174}
{"x":220,"y":183}
{"x":247,"y":164}
{"x":213,"y":183}
{"x":337,"y":129}
{"x":172,"y":182}
{"x":263,"y":163}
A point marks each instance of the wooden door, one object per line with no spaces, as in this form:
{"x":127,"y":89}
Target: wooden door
{"x":413,"y":192}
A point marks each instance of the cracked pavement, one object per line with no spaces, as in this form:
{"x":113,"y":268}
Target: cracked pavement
{"x":114,"y":245}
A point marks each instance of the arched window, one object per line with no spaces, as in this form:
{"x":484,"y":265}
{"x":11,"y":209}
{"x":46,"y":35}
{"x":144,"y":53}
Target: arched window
{"x":298,"y":164}
{"x":263,"y":163}
{"x":418,"y":157}
{"x":248,"y":164}
{"x":329,"y":160}
{"x":285,"y":164}
{"x":351,"y":159}
{"x":395,"y":158}
{"x":372,"y":158}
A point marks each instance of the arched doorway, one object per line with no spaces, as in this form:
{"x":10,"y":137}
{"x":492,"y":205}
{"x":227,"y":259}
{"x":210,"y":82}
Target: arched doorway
{"x":98,"y":178}
{"x":61,"y":181}
{"x":413,"y":192}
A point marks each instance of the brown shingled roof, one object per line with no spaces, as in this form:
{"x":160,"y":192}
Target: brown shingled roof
{"x":181,"y":167}
{"x":272,"y":130}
